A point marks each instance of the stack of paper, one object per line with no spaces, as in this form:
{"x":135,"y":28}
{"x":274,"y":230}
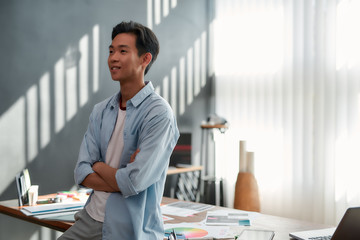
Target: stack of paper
{"x":54,"y":211}
{"x":184,"y":209}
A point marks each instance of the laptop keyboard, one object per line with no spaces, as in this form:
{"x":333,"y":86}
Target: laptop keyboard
{"x":321,"y":238}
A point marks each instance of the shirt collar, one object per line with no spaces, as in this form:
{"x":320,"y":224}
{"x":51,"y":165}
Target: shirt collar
{"x":137,"y":99}
{"x":142,"y":94}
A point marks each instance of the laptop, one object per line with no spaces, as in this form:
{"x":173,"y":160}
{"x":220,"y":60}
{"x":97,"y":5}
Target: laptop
{"x":348,"y":229}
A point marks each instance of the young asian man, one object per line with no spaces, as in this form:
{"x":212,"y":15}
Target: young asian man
{"x":125,"y":151}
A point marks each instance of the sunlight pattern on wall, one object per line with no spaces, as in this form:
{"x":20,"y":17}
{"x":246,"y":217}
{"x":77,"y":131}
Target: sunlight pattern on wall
{"x":182,"y":83}
{"x":32,"y":122}
{"x":84,"y":70}
{"x":173,"y":79}
{"x":157,"y":9}
{"x":96,"y":57}
{"x":70,"y":88}
{"x":26,"y":127}
{"x":59,"y":79}
{"x":189,"y":76}
{"x":13,"y":122}
{"x":165,"y":87}
{"x":44,"y":85}
{"x":187,"y":79}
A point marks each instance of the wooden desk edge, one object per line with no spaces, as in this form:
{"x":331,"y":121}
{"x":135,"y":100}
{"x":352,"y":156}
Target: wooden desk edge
{"x":210,"y":126}
{"x":16,"y":213}
{"x":172,"y":171}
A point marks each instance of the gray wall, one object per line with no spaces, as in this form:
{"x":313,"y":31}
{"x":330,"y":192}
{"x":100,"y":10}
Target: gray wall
{"x":47,"y":76}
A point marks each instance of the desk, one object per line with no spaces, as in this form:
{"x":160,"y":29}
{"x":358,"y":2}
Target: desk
{"x":281,"y":226}
{"x":172,"y":171}
{"x":10,"y":208}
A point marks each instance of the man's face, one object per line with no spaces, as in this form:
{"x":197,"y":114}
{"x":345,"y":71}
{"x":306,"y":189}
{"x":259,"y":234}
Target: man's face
{"x":124,"y":62}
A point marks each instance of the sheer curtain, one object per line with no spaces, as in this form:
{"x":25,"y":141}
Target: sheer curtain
{"x":288,"y":82}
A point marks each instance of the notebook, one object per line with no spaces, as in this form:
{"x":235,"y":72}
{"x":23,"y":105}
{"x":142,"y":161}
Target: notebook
{"x":348,"y":229}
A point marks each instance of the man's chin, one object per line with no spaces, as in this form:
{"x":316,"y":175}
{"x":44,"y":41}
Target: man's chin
{"x":116,"y":79}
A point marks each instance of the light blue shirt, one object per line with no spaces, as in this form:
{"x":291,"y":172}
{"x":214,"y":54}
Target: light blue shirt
{"x":134,"y":212}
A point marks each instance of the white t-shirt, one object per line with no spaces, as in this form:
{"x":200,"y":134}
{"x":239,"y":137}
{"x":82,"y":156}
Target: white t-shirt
{"x":96,"y":206}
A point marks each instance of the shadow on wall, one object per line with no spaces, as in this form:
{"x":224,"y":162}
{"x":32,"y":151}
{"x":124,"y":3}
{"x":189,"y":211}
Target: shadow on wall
{"x":55,"y":70}
{"x":31,"y":125}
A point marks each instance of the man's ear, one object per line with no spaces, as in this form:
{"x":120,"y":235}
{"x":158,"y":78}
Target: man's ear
{"x":147,"y":58}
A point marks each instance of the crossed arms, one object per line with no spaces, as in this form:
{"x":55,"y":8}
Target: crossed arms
{"x":103,"y":178}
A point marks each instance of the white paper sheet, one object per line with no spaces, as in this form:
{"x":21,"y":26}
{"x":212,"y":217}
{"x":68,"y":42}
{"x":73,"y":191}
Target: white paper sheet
{"x":184,"y":209}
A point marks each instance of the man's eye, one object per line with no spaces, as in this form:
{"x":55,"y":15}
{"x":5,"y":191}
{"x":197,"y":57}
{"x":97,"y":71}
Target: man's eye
{"x":123,"y":51}
{"x":111,"y":51}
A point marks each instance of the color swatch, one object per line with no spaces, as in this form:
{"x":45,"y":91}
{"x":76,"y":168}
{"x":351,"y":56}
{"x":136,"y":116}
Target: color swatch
{"x":188,"y":232}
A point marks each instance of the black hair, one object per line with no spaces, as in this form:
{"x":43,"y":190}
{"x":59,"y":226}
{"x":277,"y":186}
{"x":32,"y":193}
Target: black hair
{"x":146,"y":41}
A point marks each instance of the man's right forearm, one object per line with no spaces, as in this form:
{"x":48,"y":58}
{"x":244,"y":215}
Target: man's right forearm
{"x":95,"y":182}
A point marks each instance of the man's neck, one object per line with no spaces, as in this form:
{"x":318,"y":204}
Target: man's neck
{"x":129,"y":90}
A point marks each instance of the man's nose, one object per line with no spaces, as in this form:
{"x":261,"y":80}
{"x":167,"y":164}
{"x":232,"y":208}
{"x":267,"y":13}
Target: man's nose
{"x":114,"y":57}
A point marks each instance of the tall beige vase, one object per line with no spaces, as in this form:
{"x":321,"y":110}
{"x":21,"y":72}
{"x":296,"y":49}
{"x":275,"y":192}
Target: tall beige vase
{"x":246,"y":192}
